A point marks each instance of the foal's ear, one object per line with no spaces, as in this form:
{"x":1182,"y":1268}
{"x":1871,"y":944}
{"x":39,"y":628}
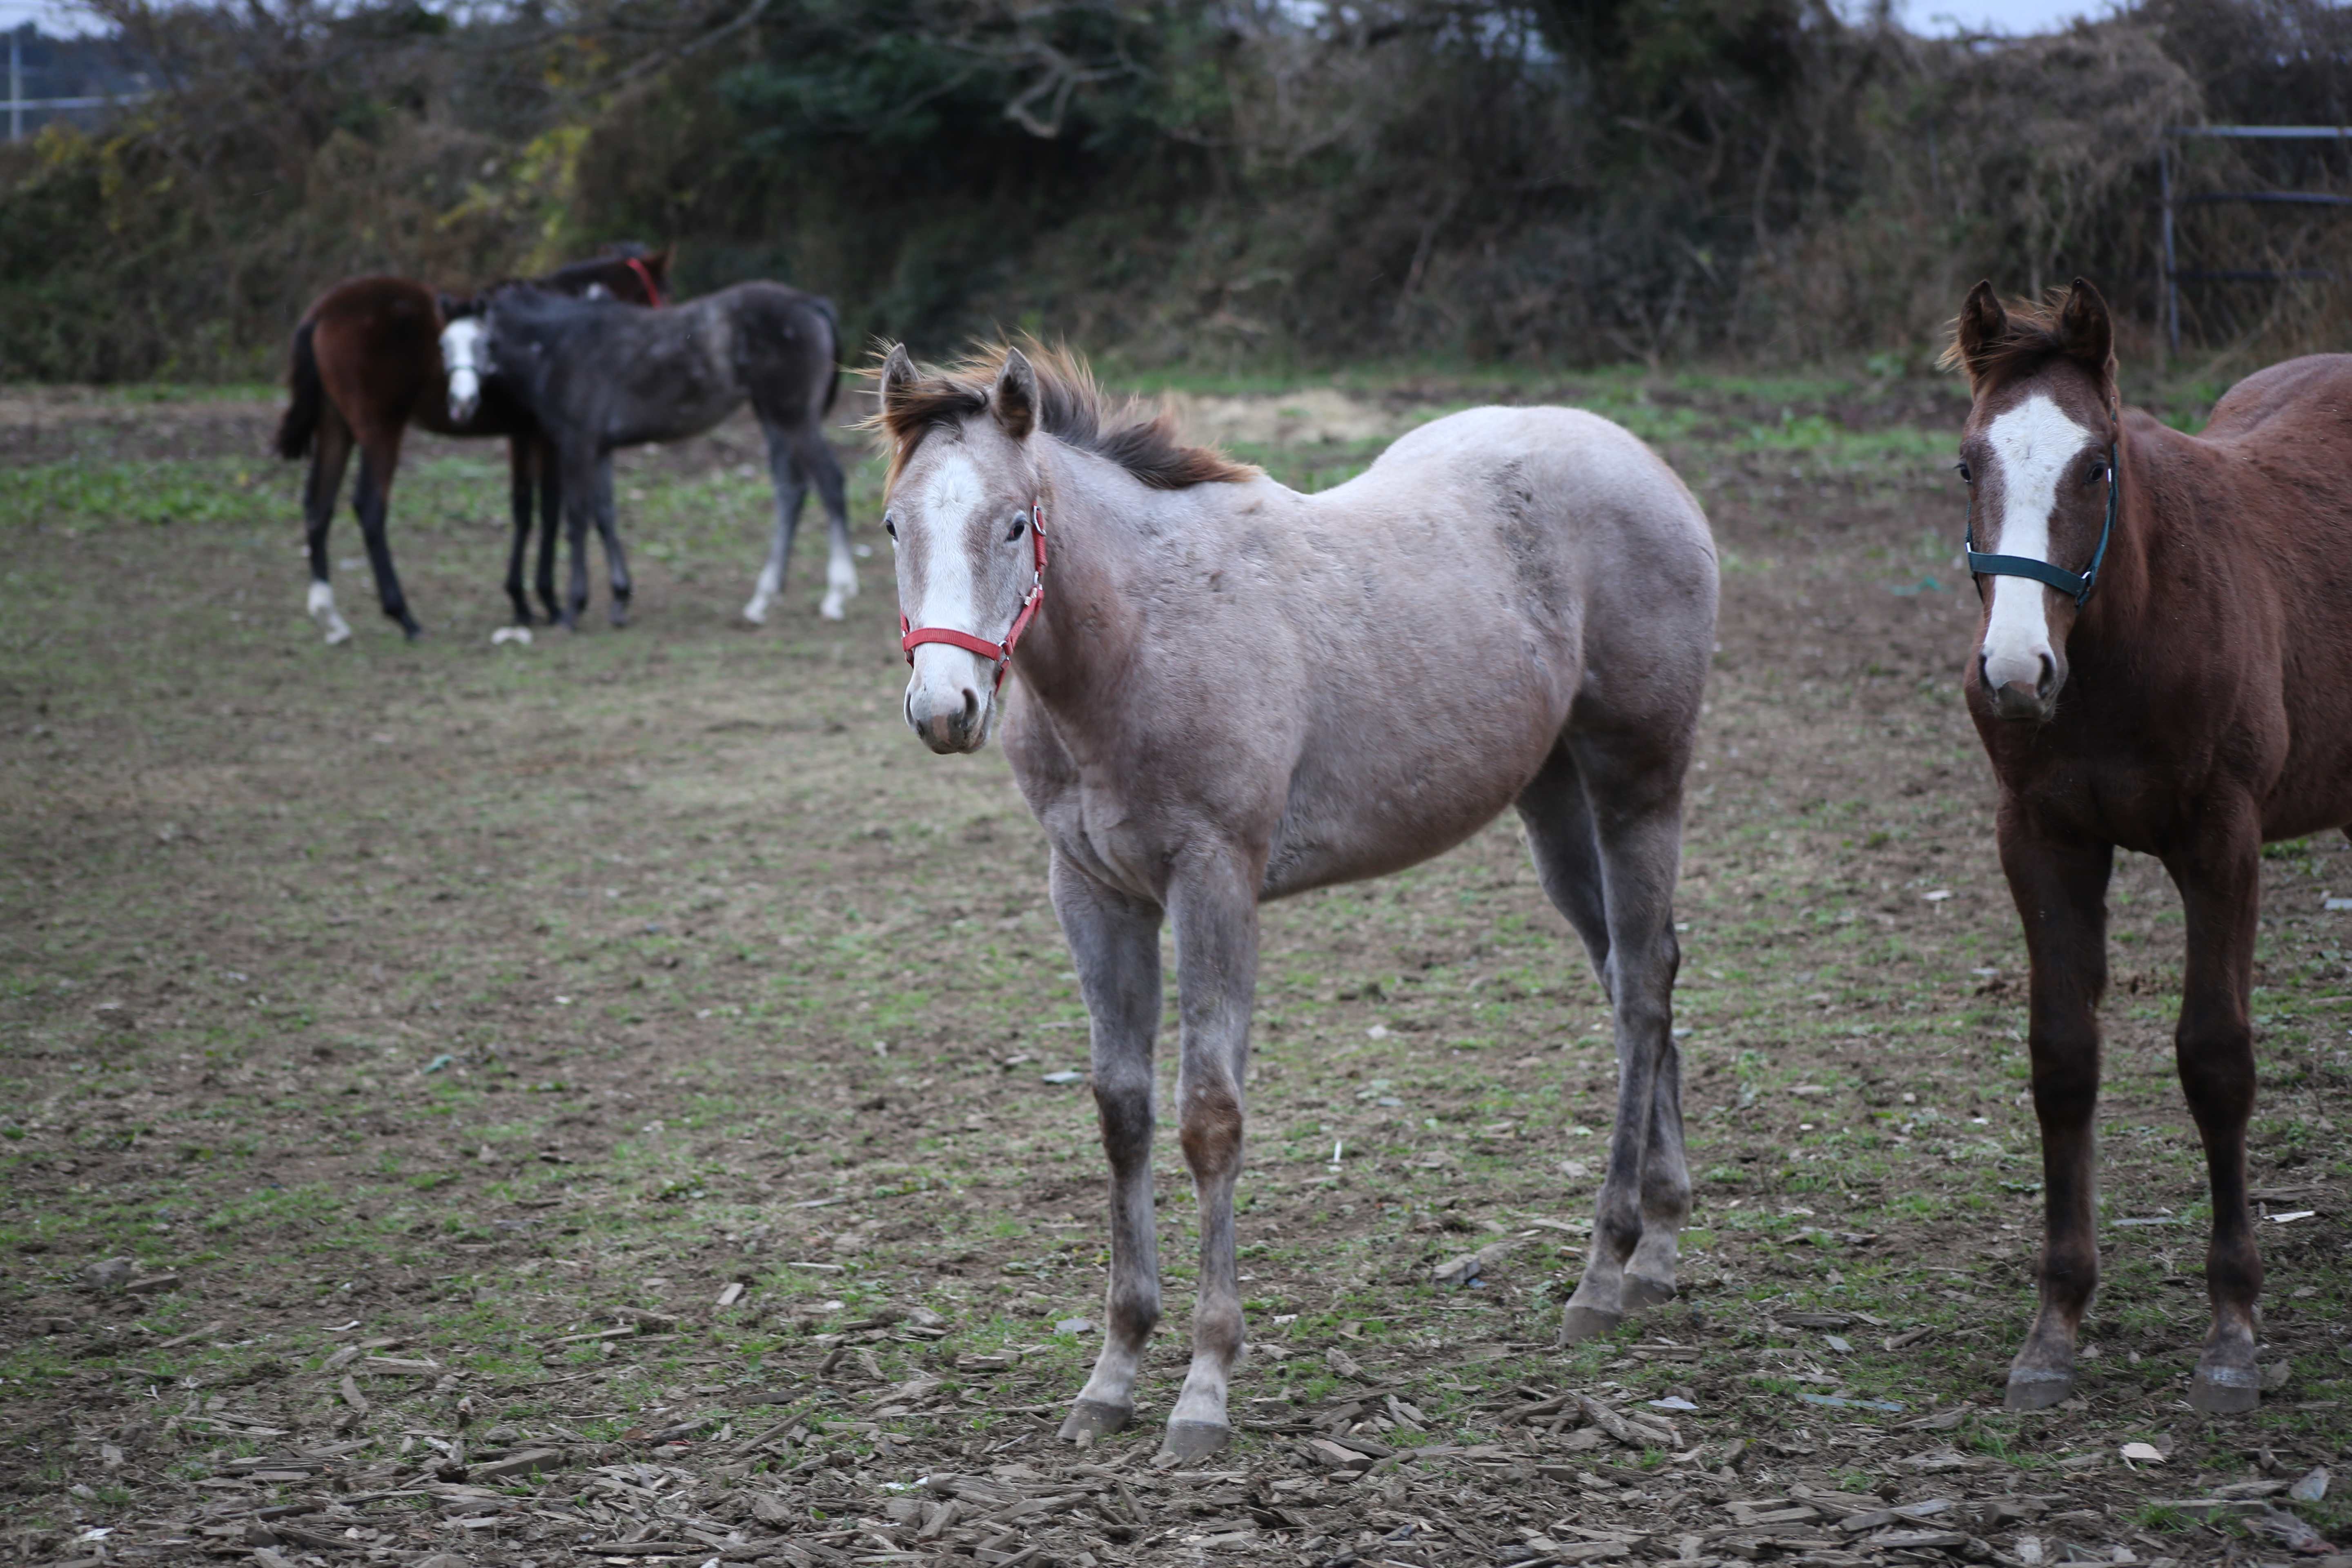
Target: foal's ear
{"x":1014,"y":399}
{"x":658,"y":263}
{"x":2086,"y":331}
{"x":898,"y":379}
{"x":1982,"y":327}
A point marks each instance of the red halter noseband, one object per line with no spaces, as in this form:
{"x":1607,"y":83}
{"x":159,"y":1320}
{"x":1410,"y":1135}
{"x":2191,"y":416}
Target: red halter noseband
{"x":912,"y":637}
{"x":644,"y":276}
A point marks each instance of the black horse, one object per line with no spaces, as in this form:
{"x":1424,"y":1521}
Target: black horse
{"x":594,"y":375}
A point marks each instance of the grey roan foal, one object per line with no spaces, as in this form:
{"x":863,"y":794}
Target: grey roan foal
{"x":596,"y":374}
{"x":1231,"y":693}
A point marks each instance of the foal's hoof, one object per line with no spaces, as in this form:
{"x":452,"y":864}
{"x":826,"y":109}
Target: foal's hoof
{"x":1090,"y":1418}
{"x":2225,"y":1390}
{"x":1194,"y":1440}
{"x":2036,"y":1388}
{"x":1578,"y":1324}
{"x":1640,"y":1290}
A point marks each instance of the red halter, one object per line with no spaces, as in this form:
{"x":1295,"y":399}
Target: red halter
{"x":644,"y":276}
{"x":912,"y":637}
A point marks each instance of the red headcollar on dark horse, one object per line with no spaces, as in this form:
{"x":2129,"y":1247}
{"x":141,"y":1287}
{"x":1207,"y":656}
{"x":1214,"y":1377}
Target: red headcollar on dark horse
{"x":912,"y":637}
{"x":2078,"y":588}
{"x":646,"y":276}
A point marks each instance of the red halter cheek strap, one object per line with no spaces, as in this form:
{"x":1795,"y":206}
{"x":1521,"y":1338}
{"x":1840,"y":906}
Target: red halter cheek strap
{"x":644,"y":276}
{"x":912,"y":637}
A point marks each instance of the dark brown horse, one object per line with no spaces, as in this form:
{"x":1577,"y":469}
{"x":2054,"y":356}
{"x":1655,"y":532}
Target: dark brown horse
{"x":366,"y":365}
{"x":2165,"y":664}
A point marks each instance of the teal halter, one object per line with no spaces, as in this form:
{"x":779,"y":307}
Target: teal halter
{"x":2076,"y":587}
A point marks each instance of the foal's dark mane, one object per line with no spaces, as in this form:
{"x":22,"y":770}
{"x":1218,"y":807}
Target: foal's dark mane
{"x":1071,"y":407}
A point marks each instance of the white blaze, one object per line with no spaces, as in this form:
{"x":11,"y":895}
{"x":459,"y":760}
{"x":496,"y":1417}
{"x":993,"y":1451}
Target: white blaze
{"x":2033,"y":445}
{"x":953,"y":493}
{"x":462,"y":351}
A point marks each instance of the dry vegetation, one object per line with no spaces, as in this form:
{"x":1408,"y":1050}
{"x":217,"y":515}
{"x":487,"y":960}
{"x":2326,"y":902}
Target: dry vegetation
{"x":1563,"y":181}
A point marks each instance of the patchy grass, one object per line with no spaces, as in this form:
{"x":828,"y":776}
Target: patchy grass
{"x":452,"y":998}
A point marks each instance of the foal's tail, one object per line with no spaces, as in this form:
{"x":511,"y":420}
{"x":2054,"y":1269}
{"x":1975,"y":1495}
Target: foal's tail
{"x":300,"y":423}
{"x":832,"y":326}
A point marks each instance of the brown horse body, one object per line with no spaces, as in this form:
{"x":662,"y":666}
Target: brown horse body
{"x":366,"y":365}
{"x":2195,"y":704}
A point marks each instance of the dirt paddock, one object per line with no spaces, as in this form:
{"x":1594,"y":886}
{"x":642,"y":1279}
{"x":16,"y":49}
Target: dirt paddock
{"x":617,"y":1099}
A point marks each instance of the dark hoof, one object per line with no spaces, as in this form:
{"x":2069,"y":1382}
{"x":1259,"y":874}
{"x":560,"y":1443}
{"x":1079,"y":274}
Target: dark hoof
{"x":2225,"y":1390}
{"x":1091,"y":1418}
{"x":1194,"y":1440}
{"x":1642,"y":1291}
{"x":2036,"y":1388}
{"x":1578,"y":1324}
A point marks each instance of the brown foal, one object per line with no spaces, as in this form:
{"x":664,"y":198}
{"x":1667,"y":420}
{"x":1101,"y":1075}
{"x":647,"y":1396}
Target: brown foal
{"x":365,"y":365}
{"x":2165,"y":664}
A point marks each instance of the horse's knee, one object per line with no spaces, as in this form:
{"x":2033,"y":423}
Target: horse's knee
{"x":1210,"y":1132}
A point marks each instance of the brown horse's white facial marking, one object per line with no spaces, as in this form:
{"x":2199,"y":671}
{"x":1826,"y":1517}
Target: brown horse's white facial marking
{"x":465,"y":352}
{"x":947,"y":530}
{"x":2029,"y":452}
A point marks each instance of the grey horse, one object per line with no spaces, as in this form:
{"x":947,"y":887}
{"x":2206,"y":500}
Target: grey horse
{"x":1231,"y":693}
{"x":596,"y":374}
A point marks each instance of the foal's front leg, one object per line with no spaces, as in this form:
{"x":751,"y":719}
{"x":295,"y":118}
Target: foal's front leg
{"x":1115,"y":944}
{"x":2060,"y":889}
{"x":2219,"y":882}
{"x":1214,"y":909}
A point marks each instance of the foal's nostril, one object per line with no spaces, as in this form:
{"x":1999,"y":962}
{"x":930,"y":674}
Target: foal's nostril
{"x":971,"y":708}
{"x":2049,"y":677}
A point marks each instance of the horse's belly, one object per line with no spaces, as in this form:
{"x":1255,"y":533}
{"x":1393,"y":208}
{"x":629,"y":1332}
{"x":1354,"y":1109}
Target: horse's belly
{"x":1346,"y":824}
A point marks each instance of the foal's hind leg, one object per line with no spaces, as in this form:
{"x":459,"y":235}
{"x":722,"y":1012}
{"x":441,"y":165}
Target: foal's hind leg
{"x":791,"y":487}
{"x":814,"y":455}
{"x":1604,"y":824}
{"x":331,"y":450}
{"x":371,"y":498}
{"x":608,"y":528}
{"x":1115,"y":943}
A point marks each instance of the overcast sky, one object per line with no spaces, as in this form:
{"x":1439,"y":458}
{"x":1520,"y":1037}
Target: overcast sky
{"x":1934,"y":17}
{"x":1942,"y":18}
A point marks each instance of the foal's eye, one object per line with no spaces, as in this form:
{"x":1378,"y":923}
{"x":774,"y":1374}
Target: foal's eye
{"x":2096,"y":472}
{"x":1966,"y":478}
{"x":890,"y":525}
{"x":1018,"y":524}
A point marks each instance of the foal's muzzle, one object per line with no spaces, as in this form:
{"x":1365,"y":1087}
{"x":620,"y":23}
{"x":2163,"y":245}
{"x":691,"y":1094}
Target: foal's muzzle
{"x":951,"y":699}
{"x":464,"y":396}
{"x":2029,"y":701}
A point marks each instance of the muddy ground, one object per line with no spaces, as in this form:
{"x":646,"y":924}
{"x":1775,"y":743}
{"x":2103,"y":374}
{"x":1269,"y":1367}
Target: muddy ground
{"x":619,"y":1099}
